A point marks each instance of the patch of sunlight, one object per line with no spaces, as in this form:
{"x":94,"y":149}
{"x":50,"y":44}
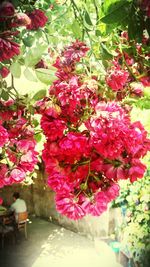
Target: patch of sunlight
{"x":25,"y":86}
{"x":71,"y":250}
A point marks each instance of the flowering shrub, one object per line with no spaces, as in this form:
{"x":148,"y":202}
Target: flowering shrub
{"x":91,"y":144}
{"x":18,"y":154}
{"x":134,"y":201}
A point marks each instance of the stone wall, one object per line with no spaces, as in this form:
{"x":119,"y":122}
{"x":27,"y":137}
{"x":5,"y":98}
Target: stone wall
{"x":40,"y":201}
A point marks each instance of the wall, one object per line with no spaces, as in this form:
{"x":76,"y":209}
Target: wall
{"x":40,"y":201}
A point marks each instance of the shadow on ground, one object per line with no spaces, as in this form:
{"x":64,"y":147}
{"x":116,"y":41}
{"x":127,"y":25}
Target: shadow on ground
{"x":52,"y":245}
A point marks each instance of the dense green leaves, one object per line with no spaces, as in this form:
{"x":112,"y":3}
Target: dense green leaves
{"x":115,"y":11}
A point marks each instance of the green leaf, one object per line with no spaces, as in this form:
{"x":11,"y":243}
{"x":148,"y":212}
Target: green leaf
{"x":35,"y":122}
{"x":29,"y":75}
{"x":46,"y":76}
{"x":106,"y":54}
{"x":116,"y":12}
{"x":15,"y":69}
{"x":147,"y":91}
{"x":34,"y":55}
{"x":28,"y":41}
{"x":4,"y":95}
{"x":87,"y":21}
{"x":38,"y":137}
{"x":39,"y":95}
{"x":76,"y":29}
{"x":135,"y":26}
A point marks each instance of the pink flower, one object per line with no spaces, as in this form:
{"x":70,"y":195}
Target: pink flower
{"x":137,"y":170}
{"x":25,"y":145}
{"x":3,"y":171}
{"x":77,"y":143}
{"x":76,"y":51}
{"x":96,"y":205}
{"x":116,"y":173}
{"x":28,"y":161}
{"x":38,"y":19}
{"x":3,"y":136}
{"x":53,"y":129}
{"x":67,"y":204}
{"x":59,"y":183}
{"x":17,"y":175}
{"x":137,"y":89}
{"x":145,"y":80}
{"x":117,"y":79}
{"x":113,"y":191}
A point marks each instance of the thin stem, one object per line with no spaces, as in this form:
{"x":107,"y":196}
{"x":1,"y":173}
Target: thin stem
{"x":124,"y":61}
{"x":97,"y":14}
{"x":46,"y":36}
{"x":13,"y":86}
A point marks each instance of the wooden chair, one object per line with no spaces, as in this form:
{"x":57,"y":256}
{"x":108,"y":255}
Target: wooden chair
{"x":22,"y":222}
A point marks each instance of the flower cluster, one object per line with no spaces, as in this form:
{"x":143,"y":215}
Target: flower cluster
{"x":8,"y":49}
{"x":91,"y":144}
{"x":38,"y":19}
{"x":17,"y":145}
{"x":145,"y":5}
{"x":10,"y":20}
{"x":117,"y":79}
{"x":4,"y":71}
{"x":125,"y":74}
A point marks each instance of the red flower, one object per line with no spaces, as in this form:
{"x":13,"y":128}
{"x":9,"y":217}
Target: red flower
{"x":52,"y":128}
{"x":75,"y":51}
{"x":6,"y":10}
{"x":3,"y":136}
{"x":1,"y":201}
{"x":3,"y":171}
{"x":8,"y":49}
{"x":117,"y":79}
{"x":38,"y":19}
{"x":4,"y":72}
{"x":41,"y":64}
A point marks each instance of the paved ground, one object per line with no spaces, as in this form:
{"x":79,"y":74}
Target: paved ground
{"x":50,"y":245}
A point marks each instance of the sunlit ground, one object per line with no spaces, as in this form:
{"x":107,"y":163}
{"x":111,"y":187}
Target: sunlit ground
{"x":64,"y":248}
{"x":50,"y":245}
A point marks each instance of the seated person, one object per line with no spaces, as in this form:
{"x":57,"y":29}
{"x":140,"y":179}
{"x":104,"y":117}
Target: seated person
{"x":18,"y":206}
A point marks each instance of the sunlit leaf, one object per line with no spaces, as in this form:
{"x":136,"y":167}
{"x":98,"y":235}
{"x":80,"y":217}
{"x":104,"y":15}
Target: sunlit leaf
{"x":46,"y":76}
{"x":15,"y":69}
{"x":29,"y":74}
{"x":76,"y":29}
{"x":39,"y":95}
